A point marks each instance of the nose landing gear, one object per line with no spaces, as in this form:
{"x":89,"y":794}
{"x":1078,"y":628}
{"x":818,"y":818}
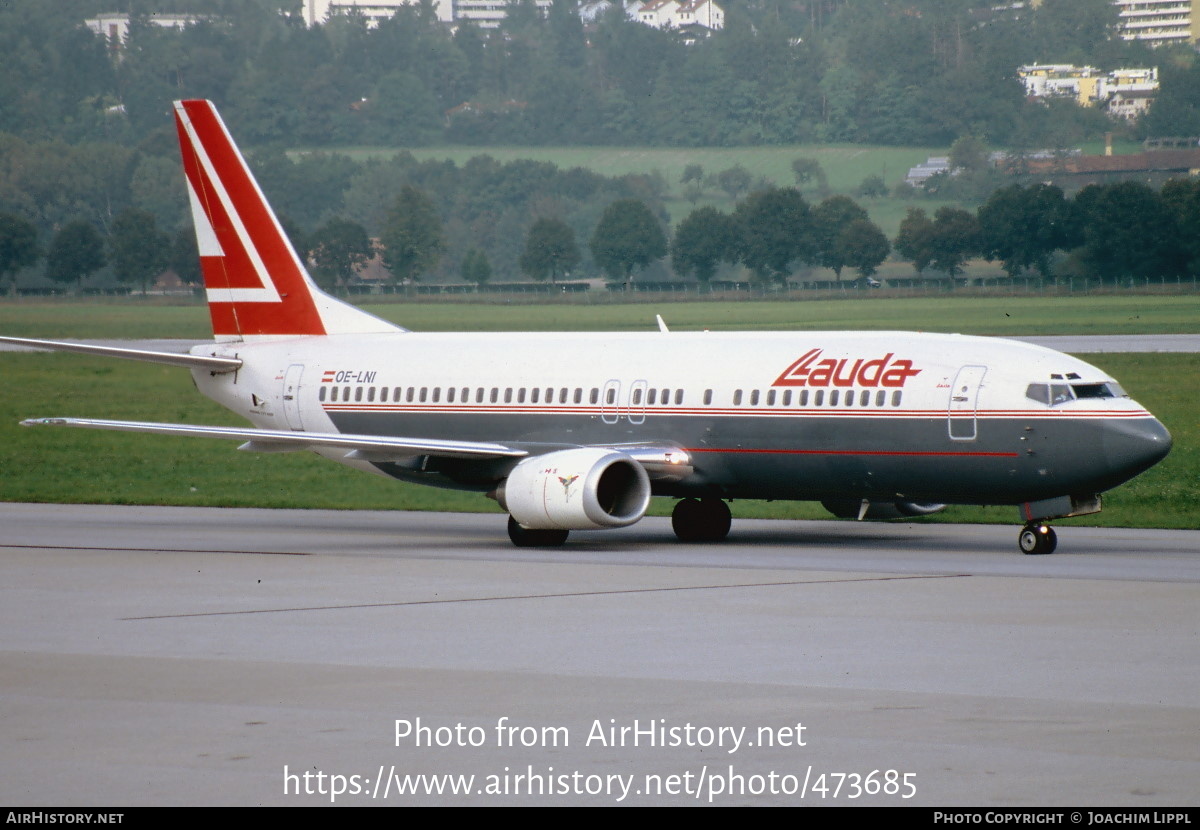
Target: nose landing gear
{"x":1037,"y":538}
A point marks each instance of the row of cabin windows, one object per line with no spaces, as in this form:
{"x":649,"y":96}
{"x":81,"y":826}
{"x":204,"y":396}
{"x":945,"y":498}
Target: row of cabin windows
{"x":426,"y":394}
{"x":563,"y":395}
{"x":818,"y":397}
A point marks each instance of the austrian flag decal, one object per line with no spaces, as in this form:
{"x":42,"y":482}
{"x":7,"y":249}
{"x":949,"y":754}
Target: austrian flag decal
{"x":812,"y":370}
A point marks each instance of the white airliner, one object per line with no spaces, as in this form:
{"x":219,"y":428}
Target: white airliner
{"x":578,"y":431}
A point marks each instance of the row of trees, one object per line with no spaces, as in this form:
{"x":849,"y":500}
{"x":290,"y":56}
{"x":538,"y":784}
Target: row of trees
{"x":1112,"y":232}
{"x":773,"y":231}
{"x":909,"y":72}
{"x":136,"y":248}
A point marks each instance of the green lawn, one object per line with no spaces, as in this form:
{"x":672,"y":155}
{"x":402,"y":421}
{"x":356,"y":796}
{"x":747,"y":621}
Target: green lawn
{"x":600,"y":311}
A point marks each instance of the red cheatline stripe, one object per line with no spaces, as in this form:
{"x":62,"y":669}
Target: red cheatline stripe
{"x":742,"y":451}
{"x":939,"y":414}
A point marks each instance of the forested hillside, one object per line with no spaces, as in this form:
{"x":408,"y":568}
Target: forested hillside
{"x":921,"y":72}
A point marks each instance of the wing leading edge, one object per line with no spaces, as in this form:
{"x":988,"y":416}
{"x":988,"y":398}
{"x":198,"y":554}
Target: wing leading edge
{"x":190,"y":361}
{"x":364,"y":447}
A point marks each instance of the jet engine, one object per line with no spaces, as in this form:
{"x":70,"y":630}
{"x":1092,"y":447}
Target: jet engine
{"x":880,"y":510}
{"x":582,"y":489}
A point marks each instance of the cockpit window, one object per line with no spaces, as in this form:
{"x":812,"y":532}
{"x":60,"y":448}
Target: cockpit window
{"x":1053,"y":394}
{"x":1097,"y":390}
{"x":1039,"y":392}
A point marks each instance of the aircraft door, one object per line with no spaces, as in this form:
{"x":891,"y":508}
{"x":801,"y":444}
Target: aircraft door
{"x":964,"y":395}
{"x":291,"y":396}
{"x":609,"y":396}
{"x":636,"y":413}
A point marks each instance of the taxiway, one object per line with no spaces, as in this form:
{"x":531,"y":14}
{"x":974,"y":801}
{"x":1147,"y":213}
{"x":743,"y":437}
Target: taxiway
{"x":203,"y":656}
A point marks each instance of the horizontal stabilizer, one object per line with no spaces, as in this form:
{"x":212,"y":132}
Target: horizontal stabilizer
{"x":376,"y":447}
{"x":190,"y":361}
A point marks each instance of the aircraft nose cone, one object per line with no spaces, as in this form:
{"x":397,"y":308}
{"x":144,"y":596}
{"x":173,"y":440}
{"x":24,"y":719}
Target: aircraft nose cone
{"x":1135,"y":445}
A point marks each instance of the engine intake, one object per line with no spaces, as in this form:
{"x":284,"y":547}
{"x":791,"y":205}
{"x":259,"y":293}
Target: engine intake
{"x":583,"y":489}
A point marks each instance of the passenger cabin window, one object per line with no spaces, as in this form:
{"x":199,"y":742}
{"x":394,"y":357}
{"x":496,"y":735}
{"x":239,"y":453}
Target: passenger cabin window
{"x":737,"y":397}
{"x":708,"y":397}
{"x":321,"y":394}
{"x":578,"y":394}
{"x":679,"y":397}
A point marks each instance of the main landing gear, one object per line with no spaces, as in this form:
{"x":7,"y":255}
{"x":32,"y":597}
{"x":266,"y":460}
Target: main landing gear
{"x":523,"y":537}
{"x":701,"y":520}
{"x":1037,"y":538}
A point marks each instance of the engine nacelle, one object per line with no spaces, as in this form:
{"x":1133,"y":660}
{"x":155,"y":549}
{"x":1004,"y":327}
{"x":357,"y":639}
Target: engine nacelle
{"x":583,"y":489}
{"x":880,"y":510}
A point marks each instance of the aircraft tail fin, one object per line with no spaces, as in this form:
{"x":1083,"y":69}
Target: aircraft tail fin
{"x":257,"y":286}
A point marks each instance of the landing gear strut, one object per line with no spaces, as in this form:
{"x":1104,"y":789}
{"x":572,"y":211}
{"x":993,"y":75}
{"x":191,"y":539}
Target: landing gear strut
{"x":523,"y":537}
{"x":701,"y":520}
{"x":1037,"y":538}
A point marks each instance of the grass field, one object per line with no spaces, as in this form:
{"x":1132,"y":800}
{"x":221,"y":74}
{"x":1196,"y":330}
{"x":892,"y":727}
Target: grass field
{"x":1097,"y":314}
{"x":845,"y":167}
{"x":59,"y":465}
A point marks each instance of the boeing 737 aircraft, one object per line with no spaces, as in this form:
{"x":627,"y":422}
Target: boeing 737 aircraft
{"x":578,"y":431}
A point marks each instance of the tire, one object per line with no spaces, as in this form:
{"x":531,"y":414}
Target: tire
{"x":704,"y":520}
{"x":1036,"y":540}
{"x":524,"y":537}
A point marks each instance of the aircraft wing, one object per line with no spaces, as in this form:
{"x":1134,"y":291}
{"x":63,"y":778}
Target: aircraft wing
{"x":366,"y":447}
{"x":190,"y":361}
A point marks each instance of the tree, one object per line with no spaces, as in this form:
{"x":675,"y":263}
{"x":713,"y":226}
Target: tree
{"x":864,"y":246}
{"x":1182,"y":198}
{"x":705,"y":238}
{"x":914,"y":241}
{"x":550,"y":250}
{"x":872,"y":186}
{"x":829,"y":219}
{"x":1022,"y":227}
{"x":627,"y":237}
{"x":412,"y":236}
{"x":337,"y":249}
{"x":692,"y":173}
{"x":1128,"y":232}
{"x":775,"y":227}
{"x":75,"y":252}
{"x":475,"y":267}
{"x":955,"y":239}
{"x":185,"y":257}
{"x":18,"y":245}
{"x":968,"y":153}
{"x":806,"y":171}
{"x":734,"y":181}
{"x":138,"y":250}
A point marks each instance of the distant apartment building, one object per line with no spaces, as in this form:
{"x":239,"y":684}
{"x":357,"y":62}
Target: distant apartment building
{"x":678,"y":14}
{"x":486,"y":14}
{"x":1125,"y":93}
{"x":1159,"y":22}
{"x":688,"y":16}
{"x":114,"y":27}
